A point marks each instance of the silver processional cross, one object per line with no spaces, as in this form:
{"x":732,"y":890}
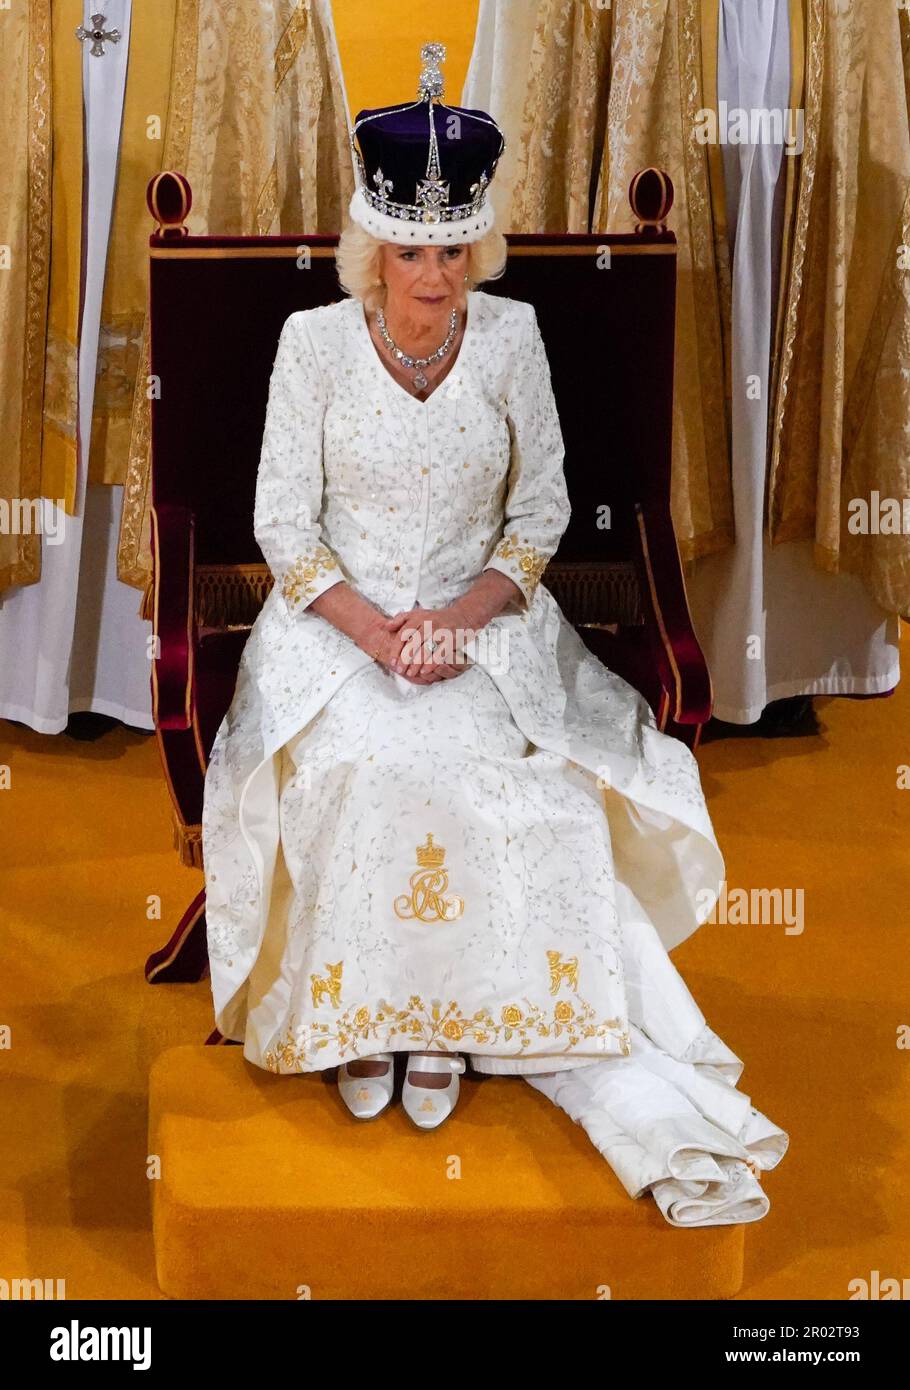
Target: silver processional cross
{"x":98,"y":35}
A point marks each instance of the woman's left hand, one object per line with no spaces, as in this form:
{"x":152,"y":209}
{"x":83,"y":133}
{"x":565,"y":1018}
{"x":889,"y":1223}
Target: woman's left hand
{"x":432,"y":643}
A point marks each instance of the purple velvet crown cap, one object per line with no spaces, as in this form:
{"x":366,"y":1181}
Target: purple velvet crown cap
{"x":423,"y":167}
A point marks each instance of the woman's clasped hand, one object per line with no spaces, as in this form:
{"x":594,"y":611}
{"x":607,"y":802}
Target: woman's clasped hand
{"x":423,"y":645}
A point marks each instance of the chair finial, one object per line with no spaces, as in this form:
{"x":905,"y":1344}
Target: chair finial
{"x":651,"y":198}
{"x":169,"y":199}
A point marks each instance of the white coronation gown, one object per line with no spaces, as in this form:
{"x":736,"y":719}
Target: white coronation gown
{"x":496,"y":864}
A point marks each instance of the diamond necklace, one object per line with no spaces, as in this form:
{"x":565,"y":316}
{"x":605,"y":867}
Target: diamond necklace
{"x":420,"y":381}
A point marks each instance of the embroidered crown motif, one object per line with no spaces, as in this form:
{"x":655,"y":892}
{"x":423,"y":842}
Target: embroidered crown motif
{"x":430,"y":856}
{"x":426,"y":900}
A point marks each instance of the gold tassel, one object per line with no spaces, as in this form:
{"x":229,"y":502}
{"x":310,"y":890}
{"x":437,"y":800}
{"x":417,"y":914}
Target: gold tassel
{"x":188,"y":844}
{"x":147,"y":606}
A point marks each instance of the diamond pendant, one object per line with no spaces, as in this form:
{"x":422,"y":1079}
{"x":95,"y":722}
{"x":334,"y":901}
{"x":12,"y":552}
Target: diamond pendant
{"x":420,"y":381}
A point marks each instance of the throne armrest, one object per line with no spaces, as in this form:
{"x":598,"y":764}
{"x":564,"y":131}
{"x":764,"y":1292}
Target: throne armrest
{"x":173,"y":666}
{"x":679,"y":659}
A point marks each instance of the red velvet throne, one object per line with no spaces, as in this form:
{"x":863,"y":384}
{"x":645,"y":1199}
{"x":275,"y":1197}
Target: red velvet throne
{"x":606,"y":308}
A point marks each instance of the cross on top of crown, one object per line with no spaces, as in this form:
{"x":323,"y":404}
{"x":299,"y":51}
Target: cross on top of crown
{"x":431,"y":83}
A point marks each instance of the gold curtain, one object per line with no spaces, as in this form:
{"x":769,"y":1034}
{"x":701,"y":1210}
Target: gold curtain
{"x":610,"y":91}
{"x":840,"y":387}
{"x":257,"y":122}
{"x":40,"y":170}
{"x":25,"y":252}
{"x":664,"y":76}
{"x":564,"y":118}
{"x":249,"y":101}
{"x":842,"y":407}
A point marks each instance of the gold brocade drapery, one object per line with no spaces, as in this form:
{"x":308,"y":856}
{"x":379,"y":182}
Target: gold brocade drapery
{"x":40,"y":207}
{"x":841,"y":423}
{"x":840,"y":387}
{"x":258,"y":124}
{"x":563,"y":126}
{"x":252,"y":104}
{"x":664,"y":76}
{"x":59,"y":462}
{"x":25,"y":163}
{"x":610,"y":91}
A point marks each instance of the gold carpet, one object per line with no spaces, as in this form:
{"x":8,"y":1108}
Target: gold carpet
{"x":87,"y":860}
{"x":271,"y":1190}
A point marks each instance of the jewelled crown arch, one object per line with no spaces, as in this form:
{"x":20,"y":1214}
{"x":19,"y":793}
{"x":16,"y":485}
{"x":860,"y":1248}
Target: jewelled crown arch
{"x":413,"y":187}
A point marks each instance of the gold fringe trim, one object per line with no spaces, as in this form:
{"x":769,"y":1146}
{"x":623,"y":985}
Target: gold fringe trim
{"x":596,"y":593}
{"x":230,"y":595}
{"x":188,"y":844}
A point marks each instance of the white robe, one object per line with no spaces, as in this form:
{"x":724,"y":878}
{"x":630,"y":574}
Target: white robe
{"x":770,"y":622}
{"x":545,"y":948}
{"x":74,"y":641}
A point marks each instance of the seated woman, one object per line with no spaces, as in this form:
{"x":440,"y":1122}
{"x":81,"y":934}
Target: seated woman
{"x":434,"y":822}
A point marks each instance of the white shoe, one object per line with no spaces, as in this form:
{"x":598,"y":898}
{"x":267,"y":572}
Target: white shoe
{"x":367,"y":1096}
{"x":426,"y":1105}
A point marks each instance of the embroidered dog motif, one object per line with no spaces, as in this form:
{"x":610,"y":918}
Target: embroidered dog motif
{"x":562,"y":970}
{"x":331,"y":986}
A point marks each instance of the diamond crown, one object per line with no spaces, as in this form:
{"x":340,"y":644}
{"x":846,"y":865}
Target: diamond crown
{"x":432,"y":199}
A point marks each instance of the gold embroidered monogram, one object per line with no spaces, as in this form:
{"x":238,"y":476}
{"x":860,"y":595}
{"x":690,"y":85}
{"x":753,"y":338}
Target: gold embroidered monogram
{"x":331,"y":986}
{"x":360,"y":1030}
{"x":562,"y":970}
{"x":300,"y":580}
{"x":426,"y":900}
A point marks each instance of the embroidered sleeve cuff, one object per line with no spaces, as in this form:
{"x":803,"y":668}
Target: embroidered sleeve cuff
{"x":309,"y":576}
{"x":523,"y":564}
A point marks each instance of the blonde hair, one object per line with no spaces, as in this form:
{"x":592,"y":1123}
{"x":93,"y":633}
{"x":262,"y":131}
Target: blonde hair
{"x":359,"y":255}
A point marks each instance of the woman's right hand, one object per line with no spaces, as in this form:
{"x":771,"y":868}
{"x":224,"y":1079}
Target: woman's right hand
{"x":372,"y":631}
{"x":386,"y":646}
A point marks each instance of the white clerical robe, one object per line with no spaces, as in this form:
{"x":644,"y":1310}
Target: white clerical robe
{"x":75,"y":641}
{"x":496,"y":864}
{"x":770,"y":622}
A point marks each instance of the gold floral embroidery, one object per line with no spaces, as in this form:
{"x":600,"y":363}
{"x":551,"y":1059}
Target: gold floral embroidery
{"x":531,"y":562}
{"x":435,"y":1026}
{"x":299,"y":582}
{"x":426,"y":900}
